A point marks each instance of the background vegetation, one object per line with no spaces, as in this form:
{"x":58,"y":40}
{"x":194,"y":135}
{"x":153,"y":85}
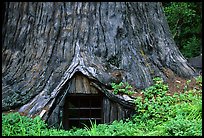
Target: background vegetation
{"x":185,"y":22}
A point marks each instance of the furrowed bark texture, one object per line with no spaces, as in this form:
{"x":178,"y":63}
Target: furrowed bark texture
{"x":44,"y":44}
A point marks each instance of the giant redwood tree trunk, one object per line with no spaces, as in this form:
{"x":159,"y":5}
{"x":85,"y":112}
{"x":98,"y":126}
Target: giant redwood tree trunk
{"x":44,"y":44}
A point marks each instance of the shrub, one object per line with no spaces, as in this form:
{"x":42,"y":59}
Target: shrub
{"x":185,"y":22}
{"x":160,"y":111}
{"x":155,"y":104}
{"x":15,"y":124}
{"x":122,"y":88}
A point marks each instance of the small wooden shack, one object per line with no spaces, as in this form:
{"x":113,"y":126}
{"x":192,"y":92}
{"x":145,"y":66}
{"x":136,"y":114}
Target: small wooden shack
{"x":84,"y":101}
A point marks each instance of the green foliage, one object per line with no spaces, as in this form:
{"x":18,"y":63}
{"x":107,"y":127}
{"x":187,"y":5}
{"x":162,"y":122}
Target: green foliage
{"x":199,"y":80}
{"x":180,"y":126}
{"x":92,"y":131}
{"x":185,"y":22}
{"x":158,"y":114}
{"x":188,"y":116}
{"x":15,"y":124}
{"x":155,"y":104}
{"x":116,"y":128}
{"x":191,"y":47}
{"x":158,"y":89}
{"x":122,"y":87}
{"x":170,"y":115}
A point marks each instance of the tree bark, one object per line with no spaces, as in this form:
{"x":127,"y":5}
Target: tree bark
{"x":44,"y":44}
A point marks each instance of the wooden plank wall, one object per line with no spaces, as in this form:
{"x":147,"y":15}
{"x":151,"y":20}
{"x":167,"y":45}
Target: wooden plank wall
{"x":114,"y":111}
{"x":106,"y":110}
{"x":81,"y":84}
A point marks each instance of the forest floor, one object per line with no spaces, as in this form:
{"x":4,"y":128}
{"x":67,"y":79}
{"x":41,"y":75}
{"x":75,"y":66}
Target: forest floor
{"x":176,"y":84}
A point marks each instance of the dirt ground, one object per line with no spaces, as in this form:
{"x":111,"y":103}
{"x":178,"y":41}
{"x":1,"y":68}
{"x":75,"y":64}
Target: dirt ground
{"x":176,"y":84}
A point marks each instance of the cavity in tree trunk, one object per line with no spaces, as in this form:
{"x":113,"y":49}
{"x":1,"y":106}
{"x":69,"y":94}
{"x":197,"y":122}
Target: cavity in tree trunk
{"x":45,"y":44}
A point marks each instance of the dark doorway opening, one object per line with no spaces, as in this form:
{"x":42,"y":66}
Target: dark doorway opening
{"x":79,"y":109}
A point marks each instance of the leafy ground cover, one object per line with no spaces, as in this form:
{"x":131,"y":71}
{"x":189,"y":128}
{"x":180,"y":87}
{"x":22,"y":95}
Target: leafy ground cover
{"x":159,"y":112}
